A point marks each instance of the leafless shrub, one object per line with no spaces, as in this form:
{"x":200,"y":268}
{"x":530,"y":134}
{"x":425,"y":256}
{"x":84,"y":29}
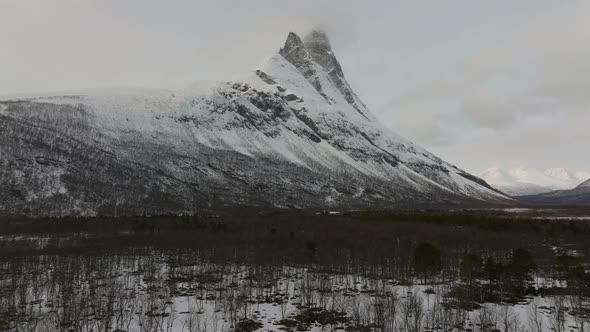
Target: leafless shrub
{"x":535,"y":316}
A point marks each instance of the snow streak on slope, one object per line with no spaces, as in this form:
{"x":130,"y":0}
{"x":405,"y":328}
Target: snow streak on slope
{"x":292,"y":133}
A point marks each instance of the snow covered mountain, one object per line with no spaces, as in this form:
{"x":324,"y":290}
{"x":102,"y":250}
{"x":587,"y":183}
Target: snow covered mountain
{"x":291,"y":134}
{"x":522,"y":181}
{"x":508,"y":184}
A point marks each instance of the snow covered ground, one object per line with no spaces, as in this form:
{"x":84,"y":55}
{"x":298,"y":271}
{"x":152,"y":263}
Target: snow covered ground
{"x":152,"y":303}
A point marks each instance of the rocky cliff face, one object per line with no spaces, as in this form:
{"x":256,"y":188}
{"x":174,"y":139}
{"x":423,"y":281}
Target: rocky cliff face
{"x":292,"y":134}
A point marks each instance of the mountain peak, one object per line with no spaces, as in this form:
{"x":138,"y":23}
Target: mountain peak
{"x":317,"y":41}
{"x":314,"y":54}
{"x":292,"y":43}
{"x":559,"y":173}
{"x":318,"y":45}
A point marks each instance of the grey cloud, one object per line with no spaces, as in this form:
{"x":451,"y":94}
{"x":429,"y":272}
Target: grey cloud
{"x":487,"y":112}
{"x":64,"y":44}
{"x":420,"y":123}
{"x":539,"y":115}
{"x":550,"y":142}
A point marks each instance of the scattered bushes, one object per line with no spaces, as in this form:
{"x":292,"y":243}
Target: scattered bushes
{"x":427,"y":260}
{"x":248,"y":325}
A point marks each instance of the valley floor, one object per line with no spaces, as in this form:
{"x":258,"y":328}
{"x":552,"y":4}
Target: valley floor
{"x":477,"y":270}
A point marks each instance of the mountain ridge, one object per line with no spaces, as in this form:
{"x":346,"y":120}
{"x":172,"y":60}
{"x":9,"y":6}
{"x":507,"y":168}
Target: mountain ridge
{"x":292,"y":134}
{"x":585,"y":184}
{"x":577,"y":197}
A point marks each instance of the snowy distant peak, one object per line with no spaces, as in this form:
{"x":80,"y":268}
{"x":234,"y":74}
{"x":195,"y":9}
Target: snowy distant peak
{"x":585,"y":184}
{"x":496,"y":176}
{"x":556,"y":178}
{"x":528,"y":181}
{"x":560,"y":173}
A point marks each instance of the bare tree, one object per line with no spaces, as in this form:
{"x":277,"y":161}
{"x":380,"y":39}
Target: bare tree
{"x":535,"y":316}
{"x":557,"y":317}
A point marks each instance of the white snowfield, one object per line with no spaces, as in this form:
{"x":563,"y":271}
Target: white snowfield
{"x":275,"y":112}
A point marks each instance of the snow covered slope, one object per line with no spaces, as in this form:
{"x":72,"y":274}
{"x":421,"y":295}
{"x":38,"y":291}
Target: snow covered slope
{"x":291,"y":134}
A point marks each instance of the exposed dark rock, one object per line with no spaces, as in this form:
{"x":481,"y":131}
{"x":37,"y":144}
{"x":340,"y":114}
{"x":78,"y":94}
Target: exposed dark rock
{"x":291,"y":97}
{"x":477,"y":180}
{"x":265,"y":77}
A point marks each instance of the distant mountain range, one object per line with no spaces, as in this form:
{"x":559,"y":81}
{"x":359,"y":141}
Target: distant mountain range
{"x":291,"y":134}
{"x":579,"y":196}
{"x":554,"y":186}
{"x":522,"y":181}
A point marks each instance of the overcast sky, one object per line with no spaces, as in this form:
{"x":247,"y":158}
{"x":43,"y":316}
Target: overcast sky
{"x":480,"y":83}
